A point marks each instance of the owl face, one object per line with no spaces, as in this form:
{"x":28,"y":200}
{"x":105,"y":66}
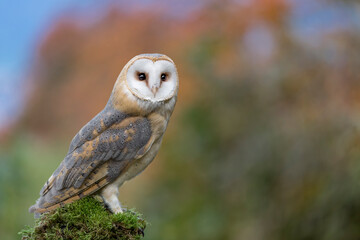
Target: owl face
{"x":152,"y":77}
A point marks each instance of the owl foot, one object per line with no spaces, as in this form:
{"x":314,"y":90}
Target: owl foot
{"x":109,"y":195}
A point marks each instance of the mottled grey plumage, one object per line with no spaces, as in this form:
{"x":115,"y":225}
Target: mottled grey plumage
{"x":102,"y":140}
{"x":109,"y":116}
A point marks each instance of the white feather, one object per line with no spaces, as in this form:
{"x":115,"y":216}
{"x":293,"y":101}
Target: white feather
{"x":153,"y":70}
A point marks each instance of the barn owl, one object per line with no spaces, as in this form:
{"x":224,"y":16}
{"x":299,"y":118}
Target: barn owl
{"x":120,"y":141}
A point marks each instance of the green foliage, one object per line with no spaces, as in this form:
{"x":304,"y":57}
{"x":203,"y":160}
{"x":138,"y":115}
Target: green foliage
{"x":86,"y":219}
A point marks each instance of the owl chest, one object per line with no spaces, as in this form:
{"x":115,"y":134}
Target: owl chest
{"x":138,"y":165}
{"x":158,"y":126}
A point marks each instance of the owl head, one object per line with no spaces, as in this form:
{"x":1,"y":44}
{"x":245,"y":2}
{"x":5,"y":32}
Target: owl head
{"x":146,"y":82}
{"x":150,"y":77}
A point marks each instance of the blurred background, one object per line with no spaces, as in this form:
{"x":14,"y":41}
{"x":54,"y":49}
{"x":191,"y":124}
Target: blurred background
{"x":264,"y":141}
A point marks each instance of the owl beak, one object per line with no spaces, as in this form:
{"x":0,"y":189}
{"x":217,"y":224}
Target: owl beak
{"x":154,"y":90}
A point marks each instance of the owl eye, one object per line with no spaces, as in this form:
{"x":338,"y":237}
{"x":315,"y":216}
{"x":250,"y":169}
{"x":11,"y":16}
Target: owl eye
{"x":163,"y":77}
{"x":141,"y":76}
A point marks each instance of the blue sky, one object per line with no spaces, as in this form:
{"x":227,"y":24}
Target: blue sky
{"x":22,"y":23}
{"x":311,"y":19}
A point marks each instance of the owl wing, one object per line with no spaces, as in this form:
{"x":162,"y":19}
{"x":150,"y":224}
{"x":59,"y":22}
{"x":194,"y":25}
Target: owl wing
{"x":96,"y":162}
{"x":102,"y":121}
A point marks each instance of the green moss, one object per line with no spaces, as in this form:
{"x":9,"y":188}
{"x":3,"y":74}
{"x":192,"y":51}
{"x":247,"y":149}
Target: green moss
{"x":86,"y":219}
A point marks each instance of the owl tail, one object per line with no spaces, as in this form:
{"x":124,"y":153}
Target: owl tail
{"x":37,"y":208}
{"x":33,"y":209}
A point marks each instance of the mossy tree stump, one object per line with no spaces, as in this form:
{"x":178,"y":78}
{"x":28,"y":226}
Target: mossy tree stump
{"x":86,"y":219}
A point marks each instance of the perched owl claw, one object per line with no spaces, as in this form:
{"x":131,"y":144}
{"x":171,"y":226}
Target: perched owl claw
{"x":106,"y":204}
{"x":109,"y":195}
{"x":114,"y":210}
{"x":117,"y":210}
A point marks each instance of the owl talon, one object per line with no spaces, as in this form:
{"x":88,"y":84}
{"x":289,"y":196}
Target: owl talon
{"x":118,"y":210}
{"x":109,"y":194}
